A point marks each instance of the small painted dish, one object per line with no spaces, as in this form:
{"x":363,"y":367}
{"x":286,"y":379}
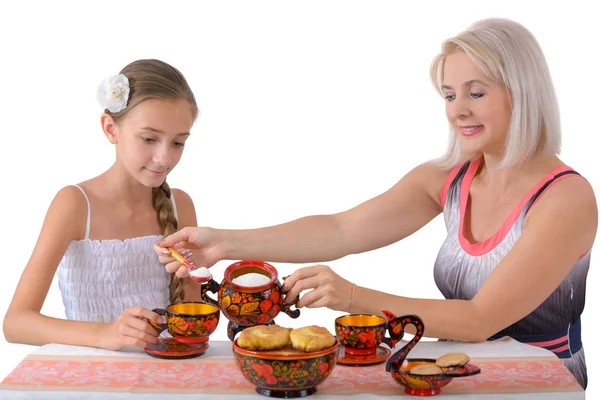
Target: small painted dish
{"x":359,"y":360}
{"x":431,"y":384}
{"x":425,"y":382}
{"x":171,"y":349}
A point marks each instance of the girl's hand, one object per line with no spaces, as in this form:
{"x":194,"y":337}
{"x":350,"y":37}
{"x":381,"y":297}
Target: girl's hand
{"x":200,"y":246}
{"x":328,"y":288}
{"x":131,"y":328}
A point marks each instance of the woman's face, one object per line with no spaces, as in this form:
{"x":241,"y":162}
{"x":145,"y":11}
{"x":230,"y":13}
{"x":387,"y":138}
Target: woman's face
{"x":477,"y":107}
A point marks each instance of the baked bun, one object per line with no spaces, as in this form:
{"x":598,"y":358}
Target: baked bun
{"x":452,"y":360}
{"x":426,"y":369}
{"x":311,"y":338}
{"x":263,"y":337}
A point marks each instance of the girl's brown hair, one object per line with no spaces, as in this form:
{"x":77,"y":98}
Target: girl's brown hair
{"x":155,"y":79}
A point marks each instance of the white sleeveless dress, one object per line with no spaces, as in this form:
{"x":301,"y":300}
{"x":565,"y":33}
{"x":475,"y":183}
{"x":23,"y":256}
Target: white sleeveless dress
{"x":99,"y":279}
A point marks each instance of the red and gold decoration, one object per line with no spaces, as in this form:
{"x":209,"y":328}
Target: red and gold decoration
{"x":400,"y":367}
{"x":189,"y":322}
{"x":285,"y":373}
{"x":248,"y":306}
{"x":171,"y":348}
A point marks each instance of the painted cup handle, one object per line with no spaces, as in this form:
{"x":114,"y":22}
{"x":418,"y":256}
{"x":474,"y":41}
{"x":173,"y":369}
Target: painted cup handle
{"x":389,"y":340}
{"x":209,"y":286}
{"x":159,"y":327}
{"x":396,"y":326}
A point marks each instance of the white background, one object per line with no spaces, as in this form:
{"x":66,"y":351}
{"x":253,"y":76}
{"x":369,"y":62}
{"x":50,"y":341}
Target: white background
{"x":307,"y":107}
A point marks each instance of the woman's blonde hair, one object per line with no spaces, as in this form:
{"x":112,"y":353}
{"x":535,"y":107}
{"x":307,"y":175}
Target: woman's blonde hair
{"x":155,"y":79}
{"x":510,"y":55}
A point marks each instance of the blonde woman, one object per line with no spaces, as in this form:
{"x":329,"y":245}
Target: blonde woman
{"x":520,"y":222}
{"x":99,"y":234}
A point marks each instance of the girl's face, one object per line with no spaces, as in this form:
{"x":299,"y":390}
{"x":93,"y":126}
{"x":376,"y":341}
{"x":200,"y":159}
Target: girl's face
{"x":151,"y":138}
{"x":477,"y":107}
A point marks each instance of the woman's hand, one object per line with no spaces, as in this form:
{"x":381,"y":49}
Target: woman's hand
{"x":131,"y":328}
{"x":328,"y":288}
{"x":200,"y":246}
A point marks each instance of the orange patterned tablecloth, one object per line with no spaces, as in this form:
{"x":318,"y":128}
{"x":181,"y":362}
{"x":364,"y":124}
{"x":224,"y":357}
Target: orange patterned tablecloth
{"x":52,"y":375}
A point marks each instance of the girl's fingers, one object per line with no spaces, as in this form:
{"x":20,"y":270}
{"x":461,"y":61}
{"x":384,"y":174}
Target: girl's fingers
{"x":128,"y":331}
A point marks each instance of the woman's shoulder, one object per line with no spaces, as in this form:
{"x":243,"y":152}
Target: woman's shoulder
{"x":568,"y":200}
{"x":435,"y":178}
{"x":569,"y":189}
{"x":435,"y":173}
{"x":565,"y":185}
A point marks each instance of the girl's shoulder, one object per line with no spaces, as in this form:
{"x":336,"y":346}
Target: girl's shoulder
{"x":72,"y":197}
{"x":186,"y":212}
{"x":182,"y":197}
{"x":68,"y":212}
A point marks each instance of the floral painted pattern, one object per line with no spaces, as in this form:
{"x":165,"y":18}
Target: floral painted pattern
{"x":285,"y":374}
{"x":359,"y":337}
{"x":192,"y":326}
{"x":249,"y":309}
{"x":248,"y":306}
{"x":404,"y":378}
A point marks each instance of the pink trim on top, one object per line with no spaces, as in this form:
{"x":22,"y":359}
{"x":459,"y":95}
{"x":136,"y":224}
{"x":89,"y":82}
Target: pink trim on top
{"x":558,"y":179}
{"x":550,"y":342}
{"x":560,"y":349}
{"x":447,"y":183}
{"x":485,"y":246}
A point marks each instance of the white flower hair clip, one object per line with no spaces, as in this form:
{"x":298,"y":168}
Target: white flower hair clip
{"x":113,"y":93}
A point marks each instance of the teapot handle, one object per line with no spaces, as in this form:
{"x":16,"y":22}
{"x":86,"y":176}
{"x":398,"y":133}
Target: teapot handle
{"x":396,"y":327}
{"x":209,"y":286}
{"x":287,"y":307}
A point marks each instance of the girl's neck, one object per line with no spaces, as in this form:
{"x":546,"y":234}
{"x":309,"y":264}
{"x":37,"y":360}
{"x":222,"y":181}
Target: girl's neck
{"x":123,"y":188}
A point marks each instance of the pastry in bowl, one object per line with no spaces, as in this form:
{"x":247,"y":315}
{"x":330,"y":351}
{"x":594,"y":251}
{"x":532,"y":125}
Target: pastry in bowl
{"x":261,"y":337}
{"x":311,"y":338}
{"x":451,"y":361}
{"x":286,"y":373}
{"x":426,"y":369}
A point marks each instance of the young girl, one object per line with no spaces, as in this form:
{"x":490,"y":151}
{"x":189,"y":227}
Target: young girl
{"x":100,"y":233}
